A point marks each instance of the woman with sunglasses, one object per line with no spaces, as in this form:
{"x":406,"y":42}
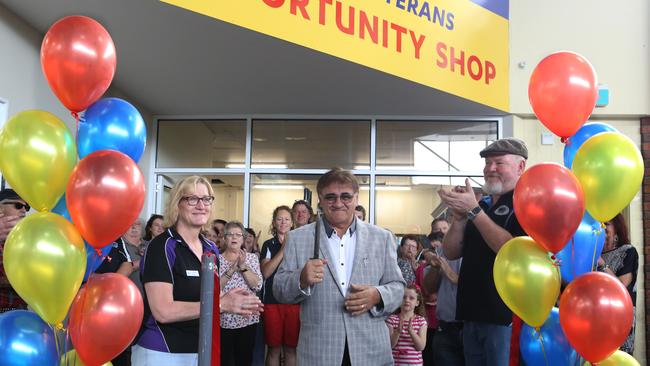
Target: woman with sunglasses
{"x":171,"y":275}
{"x":238,"y":269}
{"x":281,"y":321}
{"x":12,"y":209}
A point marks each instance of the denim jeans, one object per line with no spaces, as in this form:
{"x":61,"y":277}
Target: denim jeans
{"x":448,"y":345}
{"x":486,"y":344}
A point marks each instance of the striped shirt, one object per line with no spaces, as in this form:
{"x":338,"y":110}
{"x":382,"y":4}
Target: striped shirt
{"x":404,"y":353}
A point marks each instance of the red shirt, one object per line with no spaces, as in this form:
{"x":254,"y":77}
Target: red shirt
{"x":9,"y":299}
{"x":429,"y":301}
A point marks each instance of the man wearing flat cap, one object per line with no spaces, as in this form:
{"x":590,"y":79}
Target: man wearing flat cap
{"x":12,"y":209}
{"x":478,"y":230}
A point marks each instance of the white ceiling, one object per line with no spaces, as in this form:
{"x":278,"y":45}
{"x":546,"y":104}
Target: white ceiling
{"x":174,"y":62}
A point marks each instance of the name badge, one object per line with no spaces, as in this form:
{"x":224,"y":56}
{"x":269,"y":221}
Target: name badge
{"x":192,"y":273}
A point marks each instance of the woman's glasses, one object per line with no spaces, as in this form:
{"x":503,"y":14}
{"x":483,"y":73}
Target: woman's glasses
{"x":194,"y":200}
{"x":235,"y":235}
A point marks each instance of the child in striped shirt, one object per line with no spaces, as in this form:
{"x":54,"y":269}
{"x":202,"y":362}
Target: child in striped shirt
{"x":408,"y":328}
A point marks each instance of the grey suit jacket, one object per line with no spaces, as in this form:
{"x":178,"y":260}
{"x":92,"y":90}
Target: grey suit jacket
{"x":324,"y":322}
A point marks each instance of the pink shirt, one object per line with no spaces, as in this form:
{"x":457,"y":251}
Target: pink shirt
{"x":404,"y":353}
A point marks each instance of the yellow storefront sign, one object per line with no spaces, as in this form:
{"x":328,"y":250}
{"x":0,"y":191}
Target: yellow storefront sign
{"x":456,"y":46}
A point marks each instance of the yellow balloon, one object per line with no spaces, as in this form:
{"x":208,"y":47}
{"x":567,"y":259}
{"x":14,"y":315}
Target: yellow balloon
{"x":45,"y":261}
{"x":71,"y":358}
{"x":618,"y":358}
{"x":527,"y":279}
{"x":37,"y":155}
{"x":609,"y":167}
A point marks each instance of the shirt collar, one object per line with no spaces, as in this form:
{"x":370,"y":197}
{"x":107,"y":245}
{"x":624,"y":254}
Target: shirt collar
{"x":329,"y":230}
{"x":207,"y":245}
{"x":488,"y":201}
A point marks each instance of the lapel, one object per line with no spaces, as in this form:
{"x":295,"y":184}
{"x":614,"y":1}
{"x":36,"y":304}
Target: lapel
{"x":360,"y":253}
{"x":326,"y":253}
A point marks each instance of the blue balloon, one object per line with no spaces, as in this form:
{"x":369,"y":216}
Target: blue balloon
{"x":112,"y":124}
{"x":25,"y":340}
{"x":574,"y":142}
{"x":578,"y":257}
{"x":94,"y":259}
{"x":61,"y":208}
{"x":556,"y":349}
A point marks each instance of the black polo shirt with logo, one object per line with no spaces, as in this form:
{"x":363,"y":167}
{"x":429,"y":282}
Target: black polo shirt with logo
{"x":117,"y":255}
{"x":478,"y":299}
{"x":169,"y":259}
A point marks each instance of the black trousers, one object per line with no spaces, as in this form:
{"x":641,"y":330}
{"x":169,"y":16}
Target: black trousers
{"x":427,"y":353}
{"x":237,"y":346}
{"x":346,"y":356}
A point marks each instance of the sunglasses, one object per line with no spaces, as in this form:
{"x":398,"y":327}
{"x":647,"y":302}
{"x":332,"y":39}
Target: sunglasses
{"x":18,"y":205}
{"x":345,"y":197}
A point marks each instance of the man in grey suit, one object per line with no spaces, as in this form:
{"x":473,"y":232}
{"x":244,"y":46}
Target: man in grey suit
{"x":347,"y":292}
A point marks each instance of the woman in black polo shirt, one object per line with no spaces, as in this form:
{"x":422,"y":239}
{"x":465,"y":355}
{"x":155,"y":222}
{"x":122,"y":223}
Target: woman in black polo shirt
{"x":171,"y":270}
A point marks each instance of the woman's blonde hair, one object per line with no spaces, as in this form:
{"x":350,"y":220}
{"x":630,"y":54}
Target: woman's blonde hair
{"x":183,"y":187}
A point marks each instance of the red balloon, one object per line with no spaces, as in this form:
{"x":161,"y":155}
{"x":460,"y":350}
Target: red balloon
{"x":105,"y":195}
{"x":563,"y":90}
{"x":596,"y":315}
{"x":105,"y":317}
{"x":549,"y":203}
{"x":78,"y":60}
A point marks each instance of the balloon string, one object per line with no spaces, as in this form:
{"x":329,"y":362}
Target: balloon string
{"x":65,"y":346}
{"x":555,"y":260}
{"x":541,"y":341}
{"x":75,"y":115}
{"x":56,"y":341}
{"x":593,"y":258}
{"x":573,"y":259}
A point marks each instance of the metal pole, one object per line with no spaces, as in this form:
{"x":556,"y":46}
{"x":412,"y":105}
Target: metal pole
{"x":208,"y":266}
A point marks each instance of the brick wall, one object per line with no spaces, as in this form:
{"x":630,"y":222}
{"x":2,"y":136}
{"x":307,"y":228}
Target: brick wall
{"x":645,"y":150}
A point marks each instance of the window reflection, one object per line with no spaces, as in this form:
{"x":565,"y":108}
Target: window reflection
{"x":310,"y":144}
{"x":201,"y":144}
{"x":433,"y":146}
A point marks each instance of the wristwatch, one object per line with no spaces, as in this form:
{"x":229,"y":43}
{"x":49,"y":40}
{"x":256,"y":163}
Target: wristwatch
{"x":471,"y":214}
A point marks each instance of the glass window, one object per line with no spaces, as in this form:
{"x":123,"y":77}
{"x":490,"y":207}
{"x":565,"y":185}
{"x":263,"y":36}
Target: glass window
{"x":201,"y":144}
{"x":407,"y":205}
{"x":269,"y":191}
{"x":433,"y":145}
{"x":310,"y":144}
{"x":228,"y":194}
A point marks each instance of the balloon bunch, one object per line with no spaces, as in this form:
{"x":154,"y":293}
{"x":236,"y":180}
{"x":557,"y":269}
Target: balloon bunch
{"x":562,"y":208}
{"x":83,"y":206}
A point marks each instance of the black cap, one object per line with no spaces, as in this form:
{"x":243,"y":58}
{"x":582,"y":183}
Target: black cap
{"x":508,"y":145}
{"x":9,"y":194}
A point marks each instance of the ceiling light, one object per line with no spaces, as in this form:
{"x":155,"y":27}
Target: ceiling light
{"x":269,"y":166}
{"x":393,"y":188}
{"x":278,"y":186}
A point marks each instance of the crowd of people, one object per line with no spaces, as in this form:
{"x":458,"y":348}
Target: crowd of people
{"x":330,"y":289}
